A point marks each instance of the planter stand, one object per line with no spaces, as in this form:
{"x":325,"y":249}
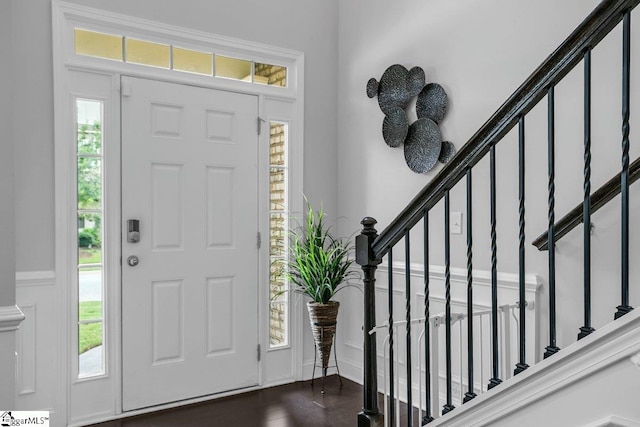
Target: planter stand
{"x":324,"y":369}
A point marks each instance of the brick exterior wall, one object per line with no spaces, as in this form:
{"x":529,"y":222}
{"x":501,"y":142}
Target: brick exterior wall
{"x":277,"y":230}
{"x":276,"y":75}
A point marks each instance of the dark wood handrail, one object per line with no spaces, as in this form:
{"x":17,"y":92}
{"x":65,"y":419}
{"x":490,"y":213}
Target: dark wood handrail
{"x":587,"y":35}
{"x":599,"y":198}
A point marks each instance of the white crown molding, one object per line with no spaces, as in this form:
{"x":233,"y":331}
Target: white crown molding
{"x":10,"y":318}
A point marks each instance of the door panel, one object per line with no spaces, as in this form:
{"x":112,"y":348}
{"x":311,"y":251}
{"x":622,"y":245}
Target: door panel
{"x":189,"y":307}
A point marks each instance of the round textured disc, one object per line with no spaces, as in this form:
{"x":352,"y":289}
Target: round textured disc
{"x":432,"y":103}
{"x":422,"y":146}
{"x":416,"y":81}
{"x":372,"y":87}
{"x":392,"y":90}
{"x":446,"y":152}
{"x":395,"y":127}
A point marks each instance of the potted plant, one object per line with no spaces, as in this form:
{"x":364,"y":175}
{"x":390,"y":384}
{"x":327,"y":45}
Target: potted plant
{"x":318,"y":266}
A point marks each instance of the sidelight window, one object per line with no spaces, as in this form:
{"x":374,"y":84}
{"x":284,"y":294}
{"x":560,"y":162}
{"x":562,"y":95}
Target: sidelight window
{"x":278,"y":234}
{"x":90,"y":266}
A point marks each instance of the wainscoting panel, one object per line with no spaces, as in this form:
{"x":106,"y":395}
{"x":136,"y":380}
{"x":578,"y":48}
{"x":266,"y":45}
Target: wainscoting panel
{"x":350,"y":322}
{"x":36,"y":341}
{"x":26,"y":339}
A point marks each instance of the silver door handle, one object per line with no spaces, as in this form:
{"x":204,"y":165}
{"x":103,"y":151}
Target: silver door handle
{"x":133,"y":261}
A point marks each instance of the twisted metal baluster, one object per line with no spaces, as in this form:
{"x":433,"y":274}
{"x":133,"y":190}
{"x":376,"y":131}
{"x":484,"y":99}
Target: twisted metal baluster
{"x":552,"y":348}
{"x":624,"y":307}
{"x":470,"y":393}
{"x":586,"y":203}
{"x":495,"y":380}
{"x":447,"y":283}
{"x":407,"y":273}
{"x":522,"y":364}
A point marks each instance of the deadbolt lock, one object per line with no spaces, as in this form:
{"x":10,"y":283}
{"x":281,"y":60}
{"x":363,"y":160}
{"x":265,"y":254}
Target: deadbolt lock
{"x":133,"y":231}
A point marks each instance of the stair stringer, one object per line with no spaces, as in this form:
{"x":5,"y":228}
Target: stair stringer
{"x":594,"y":378}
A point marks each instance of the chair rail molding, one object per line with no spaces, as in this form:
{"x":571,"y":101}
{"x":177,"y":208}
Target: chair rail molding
{"x":635,"y":359}
{"x":614,"y":421}
{"x":35,"y":278}
{"x":509,"y":281}
{"x":10,"y":318}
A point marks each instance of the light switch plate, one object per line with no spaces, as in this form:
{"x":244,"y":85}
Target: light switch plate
{"x":456,"y":222}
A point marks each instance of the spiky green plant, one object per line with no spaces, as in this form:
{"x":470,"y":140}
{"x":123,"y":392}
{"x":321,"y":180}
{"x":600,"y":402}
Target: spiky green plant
{"x":318,"y":262}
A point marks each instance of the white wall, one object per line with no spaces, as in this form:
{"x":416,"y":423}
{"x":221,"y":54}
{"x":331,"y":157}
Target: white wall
{"x":480,"y":52}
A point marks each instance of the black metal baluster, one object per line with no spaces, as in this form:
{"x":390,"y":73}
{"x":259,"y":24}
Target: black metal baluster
{"x":407,"y":275}
{"x":495,"y":380}
{"x":447,"y":317}
{"x":427,"y":357}
{"x":552,"y":348}
{"x":624,"y":307}
{"x":392,"y":405}
{"x":522,"y":364}
{"x":469,"y":394}
{"x":586,"y":203}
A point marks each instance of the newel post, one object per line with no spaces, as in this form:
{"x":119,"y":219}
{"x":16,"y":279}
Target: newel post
{"x":370,"y":416}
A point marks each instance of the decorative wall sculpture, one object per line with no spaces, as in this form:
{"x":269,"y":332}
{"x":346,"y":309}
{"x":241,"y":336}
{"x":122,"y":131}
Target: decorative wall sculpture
{"x":423,"y":145}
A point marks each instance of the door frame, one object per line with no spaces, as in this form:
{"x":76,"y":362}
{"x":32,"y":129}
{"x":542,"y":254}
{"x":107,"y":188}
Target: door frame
{"x":271,"y":100}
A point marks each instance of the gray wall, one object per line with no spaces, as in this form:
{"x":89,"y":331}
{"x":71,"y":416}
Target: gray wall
{"x":7,"y":253}
{"x":481,"y":52}
{"x":310,"y":27}
{"x":32,"y":122}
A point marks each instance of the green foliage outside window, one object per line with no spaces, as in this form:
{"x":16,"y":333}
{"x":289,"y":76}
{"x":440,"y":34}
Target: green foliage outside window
{"x":89,"y":184}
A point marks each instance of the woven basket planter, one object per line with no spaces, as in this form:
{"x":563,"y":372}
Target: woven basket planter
{"x":323,"y":318}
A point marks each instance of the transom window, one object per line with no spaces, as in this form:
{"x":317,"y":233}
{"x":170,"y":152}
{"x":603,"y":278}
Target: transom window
{"x":160,"y":55}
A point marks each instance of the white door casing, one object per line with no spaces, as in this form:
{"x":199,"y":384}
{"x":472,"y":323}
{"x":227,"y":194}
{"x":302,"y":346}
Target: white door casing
{"x":190,"y":307}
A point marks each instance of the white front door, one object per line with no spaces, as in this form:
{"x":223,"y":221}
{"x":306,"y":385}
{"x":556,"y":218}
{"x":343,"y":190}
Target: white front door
{"x":190,"y":305}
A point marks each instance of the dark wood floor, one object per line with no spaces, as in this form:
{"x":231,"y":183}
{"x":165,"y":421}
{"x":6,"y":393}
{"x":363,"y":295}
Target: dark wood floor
{"x":290,"y":405}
